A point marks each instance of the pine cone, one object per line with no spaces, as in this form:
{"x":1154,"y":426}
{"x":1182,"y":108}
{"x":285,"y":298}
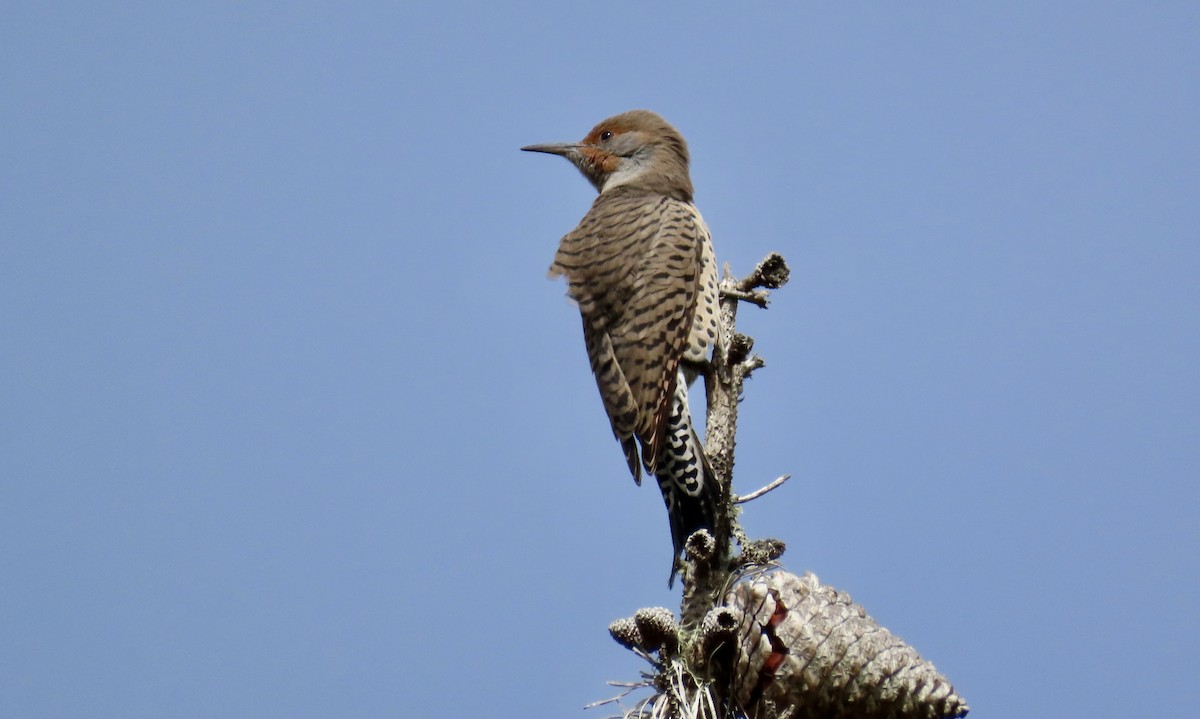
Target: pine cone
{"x":805,"y":650}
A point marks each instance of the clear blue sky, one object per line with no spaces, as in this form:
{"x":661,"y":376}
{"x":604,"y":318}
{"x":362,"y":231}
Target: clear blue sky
{"x":292,"y":424}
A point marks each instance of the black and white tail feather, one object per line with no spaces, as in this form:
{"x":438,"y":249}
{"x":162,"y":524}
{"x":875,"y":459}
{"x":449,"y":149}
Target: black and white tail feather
{"x":684,"y":475}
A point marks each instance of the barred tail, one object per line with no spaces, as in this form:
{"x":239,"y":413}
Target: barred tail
{"x":685,"y":477}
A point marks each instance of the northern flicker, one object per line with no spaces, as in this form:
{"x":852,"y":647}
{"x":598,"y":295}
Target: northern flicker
{"x":641,"y":268}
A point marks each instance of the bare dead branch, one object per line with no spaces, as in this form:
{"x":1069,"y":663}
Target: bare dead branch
{"x":761,"y":490}
{"x":772,"y":273}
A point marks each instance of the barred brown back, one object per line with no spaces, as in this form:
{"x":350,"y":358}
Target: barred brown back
{"x":634,"y":266}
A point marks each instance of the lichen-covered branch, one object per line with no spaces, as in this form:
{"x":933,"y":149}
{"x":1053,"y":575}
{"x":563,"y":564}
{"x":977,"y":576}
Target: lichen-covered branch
{"x":732,"y":363}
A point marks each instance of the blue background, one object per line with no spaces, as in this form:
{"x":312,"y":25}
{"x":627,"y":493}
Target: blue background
{"x":293,"y":425}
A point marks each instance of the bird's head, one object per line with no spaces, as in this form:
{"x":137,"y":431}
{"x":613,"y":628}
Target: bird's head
{"x":635,"y":149}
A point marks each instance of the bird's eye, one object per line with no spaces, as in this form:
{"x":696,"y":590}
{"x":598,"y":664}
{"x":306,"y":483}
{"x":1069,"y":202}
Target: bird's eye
{"x":606,"y":136}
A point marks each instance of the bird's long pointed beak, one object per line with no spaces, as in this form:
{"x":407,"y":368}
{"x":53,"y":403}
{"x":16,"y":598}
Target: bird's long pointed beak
{"x":554,"y":148}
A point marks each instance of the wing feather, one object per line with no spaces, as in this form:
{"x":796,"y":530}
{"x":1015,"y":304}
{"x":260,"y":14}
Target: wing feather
{"x":635,"y":265}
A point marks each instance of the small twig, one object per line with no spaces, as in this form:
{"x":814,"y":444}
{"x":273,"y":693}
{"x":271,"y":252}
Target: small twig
{"x":762,"y":490}
{"x":754,"y":297}
{"x":750,"y":364}
{"x":629,"y":687}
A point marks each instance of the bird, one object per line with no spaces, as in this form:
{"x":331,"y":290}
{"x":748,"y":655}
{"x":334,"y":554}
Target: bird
{"x":641,"y":269}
